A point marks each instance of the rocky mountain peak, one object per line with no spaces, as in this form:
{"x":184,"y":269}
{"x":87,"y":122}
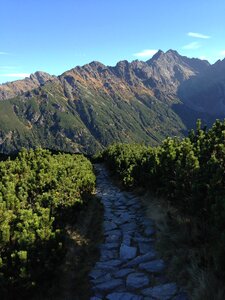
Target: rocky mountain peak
{"x":41,"y":77}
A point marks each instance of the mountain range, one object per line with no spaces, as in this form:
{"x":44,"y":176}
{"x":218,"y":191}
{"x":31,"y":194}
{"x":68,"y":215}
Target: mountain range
{"x":89,"y":107}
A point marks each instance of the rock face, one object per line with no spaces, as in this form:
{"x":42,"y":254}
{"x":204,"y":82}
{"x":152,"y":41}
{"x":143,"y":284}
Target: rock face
{"x":90,"y":107}
{"x":206,"y":92}
{"x":16,"y":88}
{"x":129,"y":275}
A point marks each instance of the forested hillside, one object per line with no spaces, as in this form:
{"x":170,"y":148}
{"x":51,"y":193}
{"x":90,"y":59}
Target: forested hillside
{"x":87,"y":108}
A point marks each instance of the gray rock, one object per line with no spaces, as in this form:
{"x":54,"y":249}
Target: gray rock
{"x":108,"y":254}
{"x":142,"y":239}
{"x":141,"y":258}
{"x":96,"y":273}
{"x":122,"y":273}
{"x":137,"y":280}
{"x":102,"y":279}
{"x":109,"y":246}
{"x":95,"y":298}
{"x":123,"y":296}
{"x":113,"y":238}
{"x":127,"y":252}
{"x":109,"y":285}
{"x":108,"y":265}
{"x":155,"y":266}
{"x":128,"y":227}
{"x":161,"y":292}
{"x":127,"y":239}
{"x":108,"y":226}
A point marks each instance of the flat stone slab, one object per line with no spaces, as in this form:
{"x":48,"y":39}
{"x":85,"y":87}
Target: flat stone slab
{"x":161,"y":292}
{"x":127,"y":252}
{"x":108,"y":265}
{"x":109,"y":285}
{"x":127,"y":239}
{"x":123,"y":273}
{"x":123,"y":296}
{"x":108,"y":255}
{"x":128,"y":227}
{"x":96,"y":273}
{"x":109,"y":246}
{"x":155,"y":266}
{"x":141,"y":258}
{"x":102,"y":279}
{"x":108,"y":226}
{"x":137,"y":281}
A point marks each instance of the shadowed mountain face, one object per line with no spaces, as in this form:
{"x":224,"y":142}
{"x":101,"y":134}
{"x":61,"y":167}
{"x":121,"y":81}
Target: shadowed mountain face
{"x":89,"y":107}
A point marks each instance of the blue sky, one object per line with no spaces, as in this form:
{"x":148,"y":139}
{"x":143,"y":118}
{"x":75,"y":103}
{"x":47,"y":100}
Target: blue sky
{"x":57,"y":35}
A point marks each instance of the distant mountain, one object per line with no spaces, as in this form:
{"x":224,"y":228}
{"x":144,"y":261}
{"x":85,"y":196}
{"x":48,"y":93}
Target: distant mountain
{"x":206,"y":92}
{"x":89,"y":107}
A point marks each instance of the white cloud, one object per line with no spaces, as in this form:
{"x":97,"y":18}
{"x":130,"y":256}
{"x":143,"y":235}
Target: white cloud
{"x":7,"y":67}
{"x":192,"y":46}
{"x":18,"y":75}
{"x":203,"y":57}
{"x":222,"y":52}
{"x":146,"y":53}
{"x":198,"y":35}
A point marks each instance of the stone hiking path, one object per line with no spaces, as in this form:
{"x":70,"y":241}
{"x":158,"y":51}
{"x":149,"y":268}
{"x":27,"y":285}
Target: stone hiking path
{"x":129,"y":268}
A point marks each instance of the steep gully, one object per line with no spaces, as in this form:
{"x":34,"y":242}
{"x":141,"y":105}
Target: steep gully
{"x":129,"y":267}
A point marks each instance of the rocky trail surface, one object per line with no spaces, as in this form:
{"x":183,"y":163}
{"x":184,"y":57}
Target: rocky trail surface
{"x":129,"y":267}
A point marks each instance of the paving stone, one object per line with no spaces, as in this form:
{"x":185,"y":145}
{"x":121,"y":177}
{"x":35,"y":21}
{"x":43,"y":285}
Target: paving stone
{"x":141,"y":258}
{"x":137,"y":281}
{"x":127,"y":239}
{"x":127,"y":252}
{"x":109,"y":285}
{"x":102,"y":279}
{"x":155,"y":266}
{"x":109,"y":246}
{"x":128,"y":227}
{"x":113,"y":239}
{"x":96,"y":273}
{"x":143,"y":239}
{"x":108,"y":226}
{"x":108,"y":255}
{"x":123,"y":296}
{"x":161,"y":292}
{"x":116,"y":232}
{"x":108,"y":265}
{"x":122,"y":273}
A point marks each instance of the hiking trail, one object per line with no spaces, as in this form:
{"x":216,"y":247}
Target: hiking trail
{"x":129,"y":267}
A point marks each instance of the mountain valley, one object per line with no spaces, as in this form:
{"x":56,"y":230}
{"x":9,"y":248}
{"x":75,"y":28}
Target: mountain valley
{"x":90,"y":107}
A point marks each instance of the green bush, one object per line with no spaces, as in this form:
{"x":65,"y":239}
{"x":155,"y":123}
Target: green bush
{"x":35,"y":190}
{"x":189,"y":173}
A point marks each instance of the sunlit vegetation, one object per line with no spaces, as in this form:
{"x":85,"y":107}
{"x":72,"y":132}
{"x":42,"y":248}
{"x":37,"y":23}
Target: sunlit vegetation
{"x":38,"y":192}
{"x":190,"y":174}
